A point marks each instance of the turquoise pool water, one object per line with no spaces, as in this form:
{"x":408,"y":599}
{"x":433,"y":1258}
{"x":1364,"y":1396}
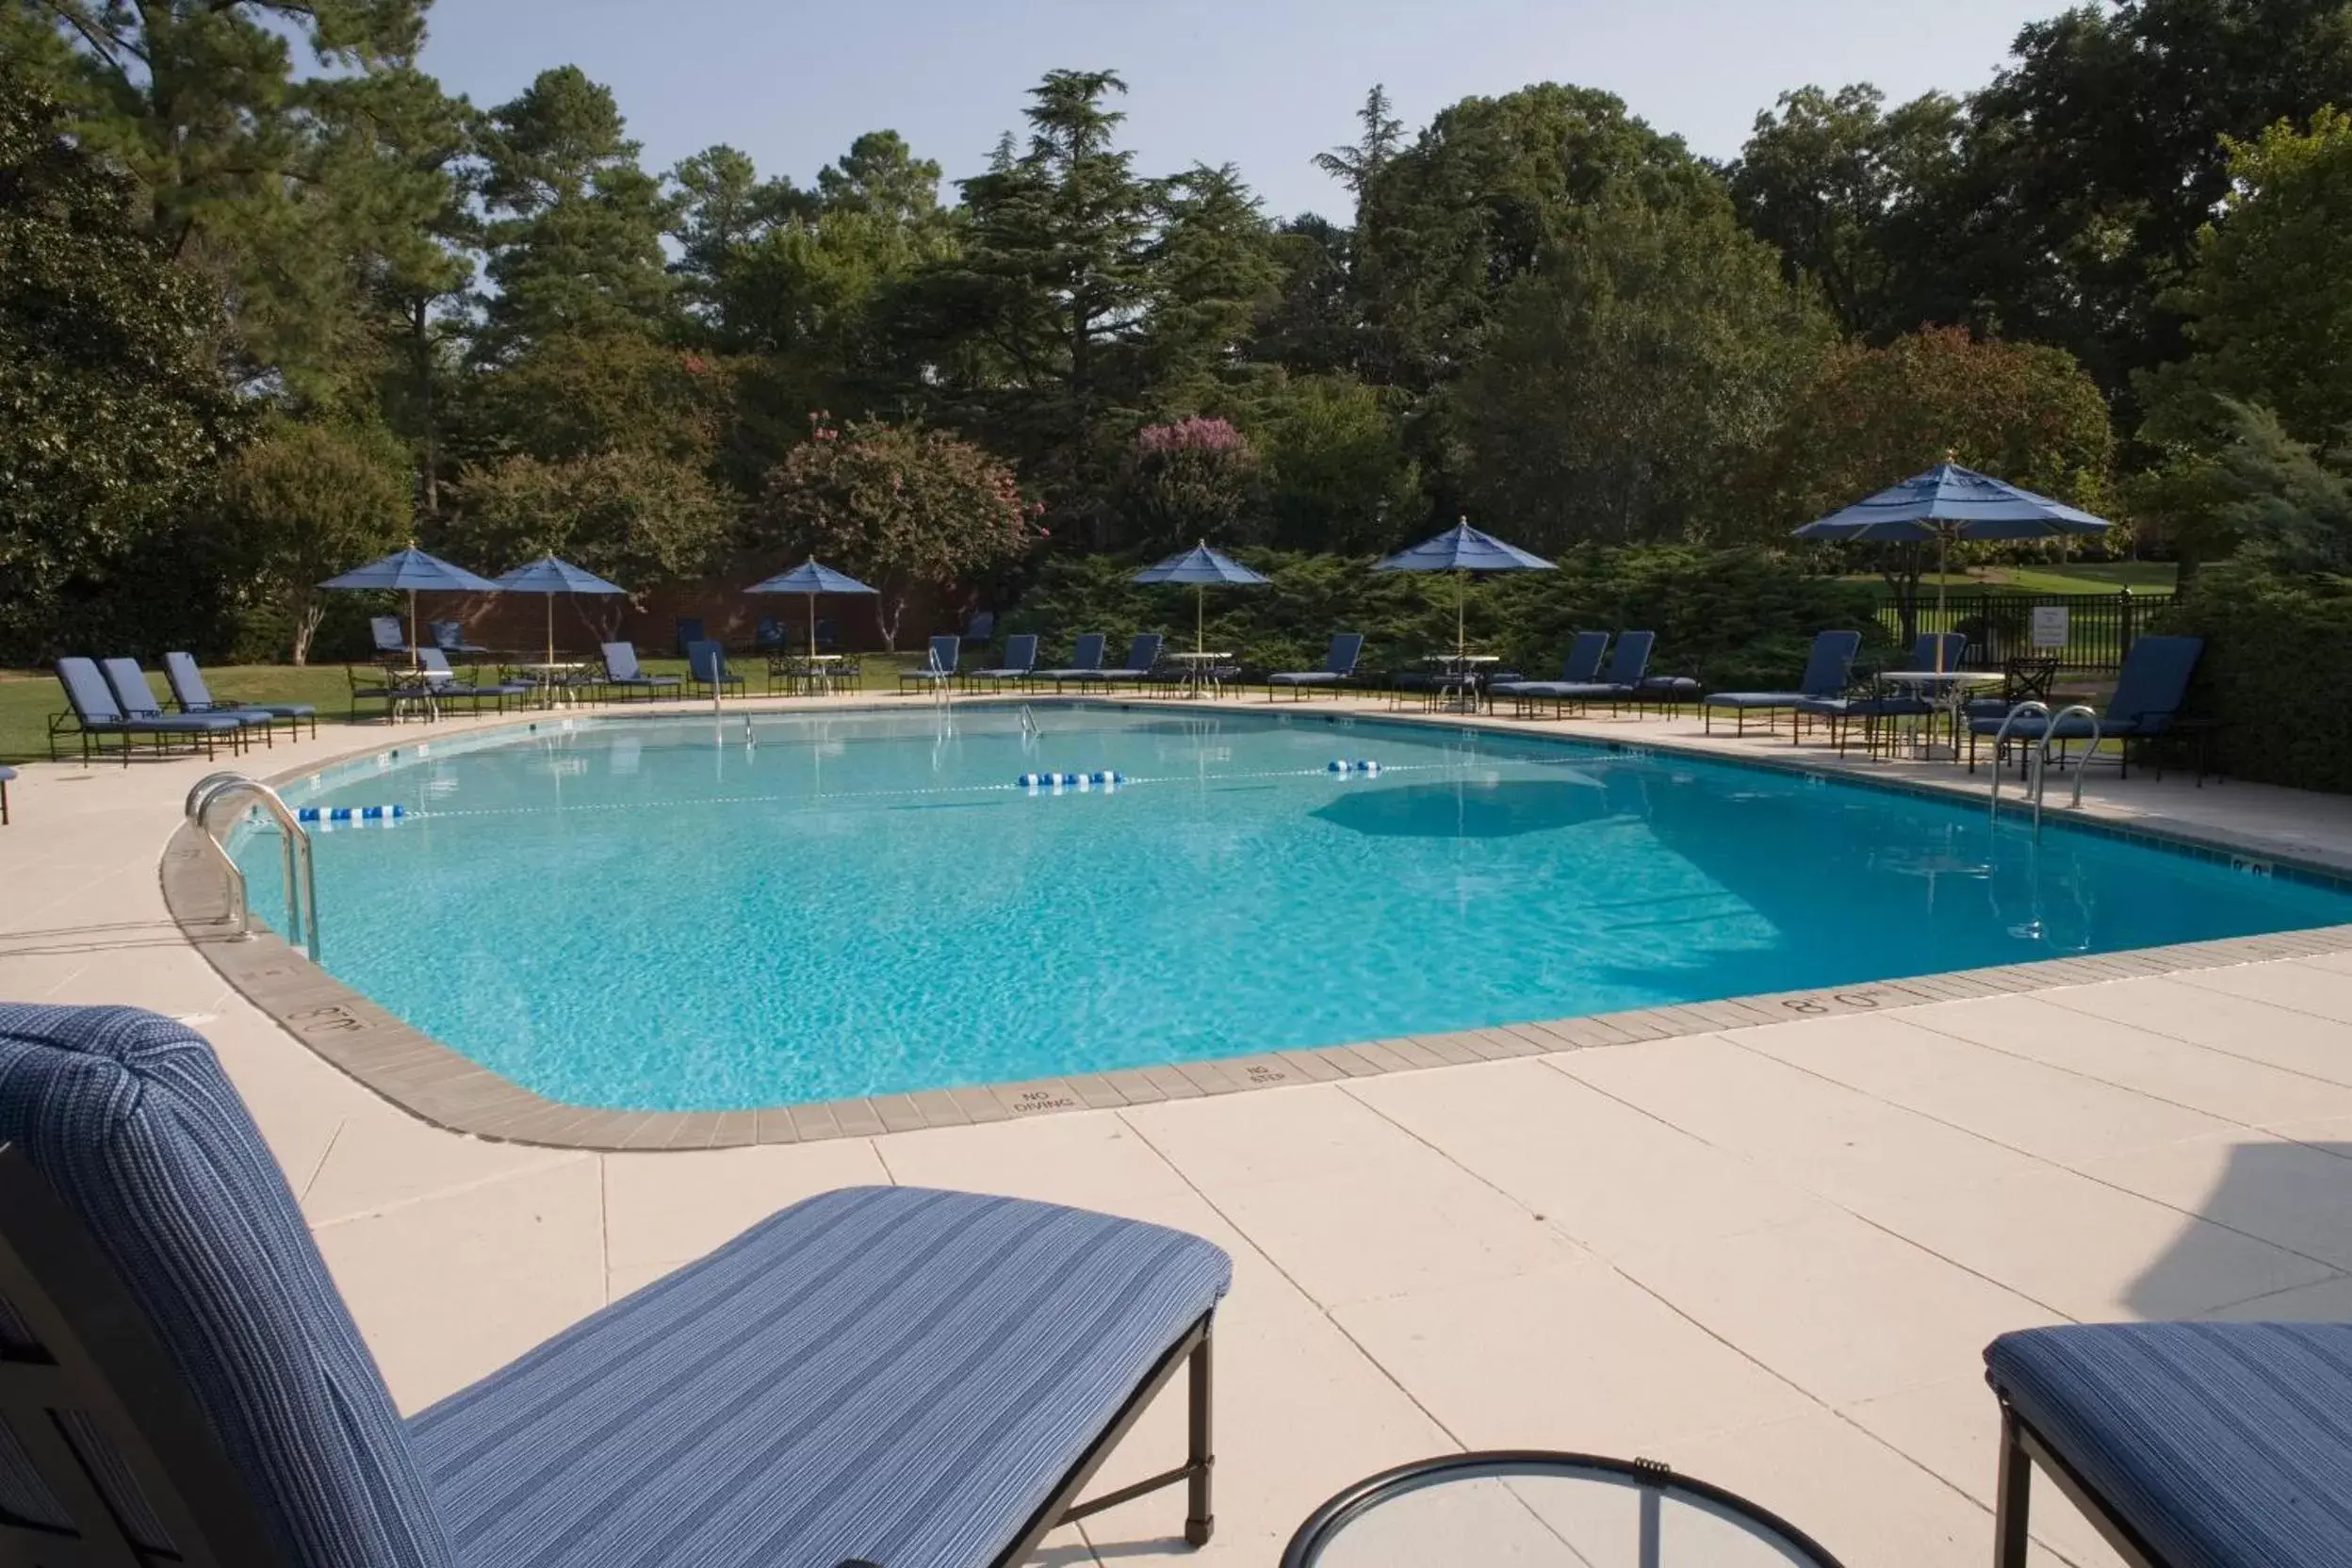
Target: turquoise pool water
{"x":654,"y":915}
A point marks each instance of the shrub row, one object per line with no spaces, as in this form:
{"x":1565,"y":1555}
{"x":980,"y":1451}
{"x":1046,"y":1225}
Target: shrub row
{"x":1732,"y":618}
{"x":2277,"y":663}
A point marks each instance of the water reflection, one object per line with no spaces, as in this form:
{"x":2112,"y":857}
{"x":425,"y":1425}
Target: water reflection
{"x":1468,"y":809}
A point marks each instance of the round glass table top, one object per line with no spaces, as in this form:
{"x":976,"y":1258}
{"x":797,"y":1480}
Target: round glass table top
{"x":1529,"y":1510}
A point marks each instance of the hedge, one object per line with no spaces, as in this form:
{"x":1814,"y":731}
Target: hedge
{"x":1732,"y":618}
{"x":2277,"y":660}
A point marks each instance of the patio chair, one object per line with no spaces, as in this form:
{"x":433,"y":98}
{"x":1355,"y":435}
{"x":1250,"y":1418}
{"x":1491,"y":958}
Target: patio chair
{"x":622,"y":674}
{"x":1826,"y":672}
{"x":391,"y":638}
{"x":1086,"y":662}
{"x":769,"y":635}
{"x":707,"y":674}
{"x":445,"y":686}
{"x":1628,"y":667}
{"x":2021,"y":681}
{"x":450,"y":637}
{"x":1581,"y":666}
{"x":94,"y":713}
{"x":882,"y":1375}
{"x":1876,"y":709}
{"x":6,"y":774}
{"x":980,"y":628}
{"x":136,"y":697}
{"x":2149,"y":689}
{"x":1143,"y":655}
{"x":1020,"y":657}
{"x":940,"y":659}
{"x":2188,"y":1445}
{"x":688,"y":632}
{"x":1339,"y":668}
{"x":186,"y":681}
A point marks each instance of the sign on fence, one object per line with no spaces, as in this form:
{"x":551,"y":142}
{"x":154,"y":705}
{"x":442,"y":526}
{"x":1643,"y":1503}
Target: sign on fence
{"x":2049,"y":626}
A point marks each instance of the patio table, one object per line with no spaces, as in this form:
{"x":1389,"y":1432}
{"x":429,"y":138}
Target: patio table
{"x":1947,"y":691}
{"x":1200,"y":669}
{"x":1456,"y":689}
{"x":553,"y":679}
{"x":1536,"y":1509}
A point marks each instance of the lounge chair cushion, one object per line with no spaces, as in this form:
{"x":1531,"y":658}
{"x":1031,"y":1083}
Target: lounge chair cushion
{"x":2030,"y":727}
{"x":1302,"y":678}
{"x":1672,"y":684}
{"x":129,"y":1117}
{"x":2224,"y":1444}
{"x":759,"y":1406}
{"x":1755,"y":699}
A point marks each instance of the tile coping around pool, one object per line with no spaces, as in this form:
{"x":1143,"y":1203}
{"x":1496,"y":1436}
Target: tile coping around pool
{"x":450,"y":1091}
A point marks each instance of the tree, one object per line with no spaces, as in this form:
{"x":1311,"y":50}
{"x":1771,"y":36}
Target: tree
{"x":897,"y":505}
{"x":1383,"y":133}
{"x":1185,"y":483}
{"x":2093,"y":161}
{"x":250,"y":172}
{"x":1029,"y":333}
{"x":1630,"y":376}
{"x":1479,"y":199}
{"x":634,"y":517}
{"x":2289,"y":504}
{"x":574,"y":239}
{"x":1851,"y":195}
{"x":2268,"y":304}
{"x":115,"y":413}
{"x":309,"y":500}
{"x":1870,"y":417}
{"x":1312,"y":323}
{"x":1335,"y":471}
{"x":1213,"y":276}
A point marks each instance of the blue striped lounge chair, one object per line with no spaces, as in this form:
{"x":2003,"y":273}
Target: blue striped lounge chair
{"x":2149,"y":690}
{"x":1874,"y":709}
{"x":941,"y":657}
{"x":93,"y":714}
{"x":623,"y":674}
{"x":137,"y":698}
{"x":2188,"y":1445}
{"x":187,"y":680}
{"x":1582,"y":664}
{"x":880,"y":1375}
{"x":1826,"y":672}
{"x":450,"y":637}
{"x":1621,"y":682}
{"x":1086,"y":662}
{"x":706,"y":670}
{"x":1339,"y":668}
{"x":7,"y":776}
{"x":390,"y":638}
{"x":1021,"y":658}
{"x":447,"y":687}
{"x":1143,"y":656}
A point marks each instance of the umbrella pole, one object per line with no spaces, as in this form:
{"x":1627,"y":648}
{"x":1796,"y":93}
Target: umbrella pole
{"x":413,"y":660}
{"x":551,"y":630}
{"x":1942,"y":539}
{"x":1199,"y":625}
{"x":812,"y":629}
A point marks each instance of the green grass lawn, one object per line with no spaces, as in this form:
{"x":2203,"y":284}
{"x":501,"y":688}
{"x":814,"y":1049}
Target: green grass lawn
{"x":2071,"y":577}
{"x":27,"y":697}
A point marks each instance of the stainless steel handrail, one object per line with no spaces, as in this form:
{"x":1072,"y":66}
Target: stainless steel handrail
{"x":301,"y":894}
{"x":2097,"y":735}
{"x":1992,"y":801}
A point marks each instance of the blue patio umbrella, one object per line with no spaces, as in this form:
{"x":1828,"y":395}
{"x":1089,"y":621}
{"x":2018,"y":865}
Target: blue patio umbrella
{"x":413,"y":572}
{"x":548,"y":576}
{"x":1199,"y":568}
{"x":1462,"y":549}
{"x":1950,"y":502}
{"x":811,"y":577}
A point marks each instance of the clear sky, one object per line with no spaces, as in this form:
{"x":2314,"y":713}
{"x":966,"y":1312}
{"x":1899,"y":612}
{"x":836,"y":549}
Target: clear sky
{"x":1263,"y":84}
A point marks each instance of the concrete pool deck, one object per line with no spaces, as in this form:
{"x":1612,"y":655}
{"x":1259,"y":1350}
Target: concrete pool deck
{"x":1768,"y":1256}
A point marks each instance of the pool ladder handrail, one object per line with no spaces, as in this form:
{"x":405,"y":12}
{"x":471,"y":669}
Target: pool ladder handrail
{"x":302,"y":892}
{"x":2038,"y":763}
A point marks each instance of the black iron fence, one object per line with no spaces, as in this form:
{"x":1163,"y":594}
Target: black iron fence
{"x":2087,"y":632}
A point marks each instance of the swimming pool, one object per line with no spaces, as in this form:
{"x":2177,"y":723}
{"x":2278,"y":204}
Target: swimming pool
{"x":717,"y":914}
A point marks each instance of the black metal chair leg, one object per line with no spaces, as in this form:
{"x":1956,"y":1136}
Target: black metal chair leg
{"x":2013,"y":1489}
{"x":1200,"y":1458}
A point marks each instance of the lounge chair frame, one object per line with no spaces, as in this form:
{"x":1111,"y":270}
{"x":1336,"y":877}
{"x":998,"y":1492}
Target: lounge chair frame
{"x":5,"y":774}
{"x":102,"y":1358}
{"x":2021,"y":1449}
